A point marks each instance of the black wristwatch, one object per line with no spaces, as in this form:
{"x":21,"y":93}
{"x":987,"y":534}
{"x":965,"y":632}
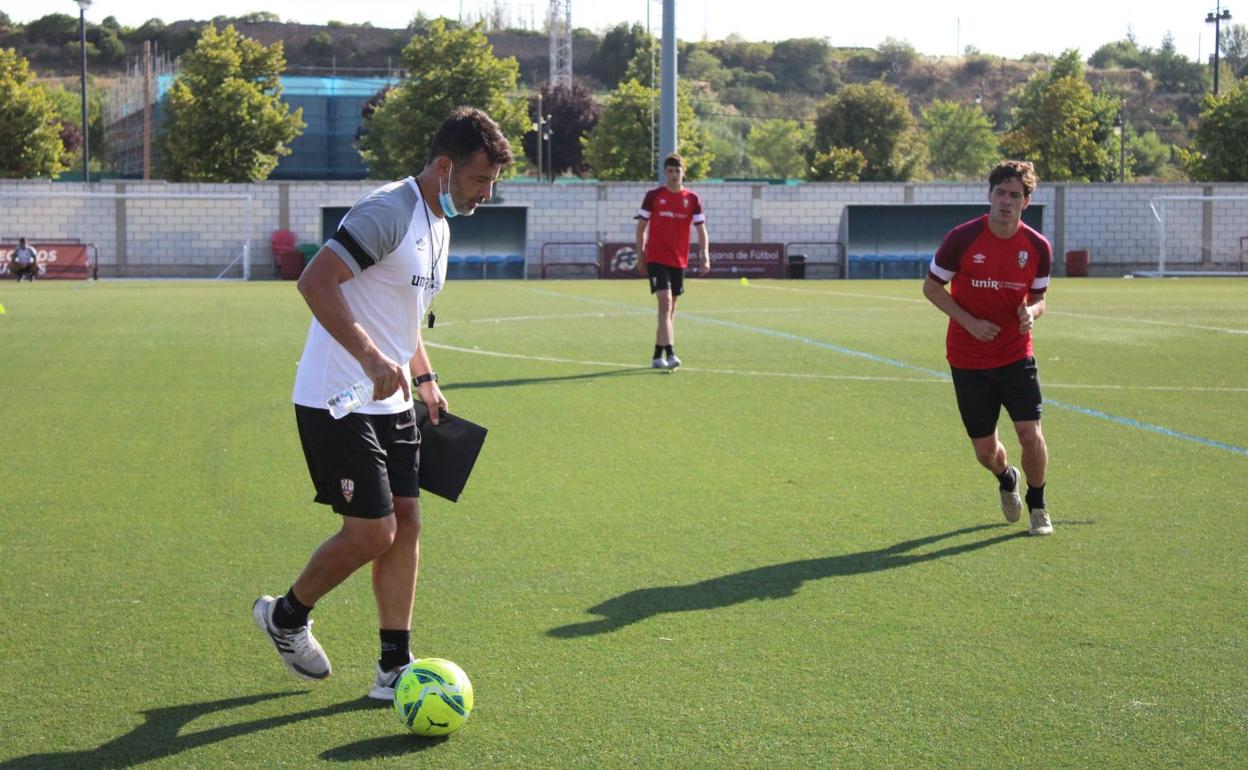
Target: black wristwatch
{"x":423,"y":378}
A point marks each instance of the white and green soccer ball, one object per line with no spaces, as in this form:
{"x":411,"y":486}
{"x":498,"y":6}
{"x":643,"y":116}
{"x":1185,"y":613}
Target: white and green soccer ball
{"x":433,"y":697}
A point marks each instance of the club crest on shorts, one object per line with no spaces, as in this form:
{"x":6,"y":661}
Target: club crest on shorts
{"x":348,"y":489}
{"x":1022,"y":259}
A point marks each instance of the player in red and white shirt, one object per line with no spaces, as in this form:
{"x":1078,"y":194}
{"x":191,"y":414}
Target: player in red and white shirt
{"x":663,"y":256}
{"x":997,"y":271}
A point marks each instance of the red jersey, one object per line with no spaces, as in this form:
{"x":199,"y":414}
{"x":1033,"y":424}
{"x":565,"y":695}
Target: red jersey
{"x":670,"y":215}
{"x":989,"y":278}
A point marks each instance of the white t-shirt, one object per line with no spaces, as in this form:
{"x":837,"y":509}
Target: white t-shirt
{"x":397,"y":250}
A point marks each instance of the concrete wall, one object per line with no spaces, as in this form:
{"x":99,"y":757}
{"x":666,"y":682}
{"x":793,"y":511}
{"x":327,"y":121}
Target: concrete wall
{"x":162,"y":235}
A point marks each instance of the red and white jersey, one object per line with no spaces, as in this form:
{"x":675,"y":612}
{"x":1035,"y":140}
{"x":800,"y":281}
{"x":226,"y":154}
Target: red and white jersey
{"x":989,"y":278}
{"x":670,"y":215}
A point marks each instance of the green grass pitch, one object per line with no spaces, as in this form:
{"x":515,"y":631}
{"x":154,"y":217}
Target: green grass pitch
{"x":782,"y":555}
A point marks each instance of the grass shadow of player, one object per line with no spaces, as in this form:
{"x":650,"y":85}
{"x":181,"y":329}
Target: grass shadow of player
{"x":403,"y":744}
{"x":775,"y":581}
{"x":452,"y":386}
{"x":160,"y":735}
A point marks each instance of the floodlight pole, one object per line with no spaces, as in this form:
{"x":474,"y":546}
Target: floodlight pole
{"x":668,"y":142}
{"x":83,"y":5}
{"x":1216,"y":18}
{"x":1120,"y":129}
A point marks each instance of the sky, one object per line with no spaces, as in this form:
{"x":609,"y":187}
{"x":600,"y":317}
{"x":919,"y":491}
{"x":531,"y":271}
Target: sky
{"x":933,"y":27}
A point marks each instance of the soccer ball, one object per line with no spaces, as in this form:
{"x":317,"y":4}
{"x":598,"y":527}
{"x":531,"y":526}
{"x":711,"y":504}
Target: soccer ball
{"x":433,"y":697}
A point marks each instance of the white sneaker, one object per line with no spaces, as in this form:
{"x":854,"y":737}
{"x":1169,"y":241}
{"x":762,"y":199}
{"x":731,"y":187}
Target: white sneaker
{"x":658,"y":363}
{"x":1011,"y":503}
{"x":1040,"y":523}
{"x":297,"y":648}
{"x":673,"y":361}
{"x":383,"y":686}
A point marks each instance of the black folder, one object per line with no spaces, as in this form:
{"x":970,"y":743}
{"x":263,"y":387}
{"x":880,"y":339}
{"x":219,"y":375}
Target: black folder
{"x":448,"y":451}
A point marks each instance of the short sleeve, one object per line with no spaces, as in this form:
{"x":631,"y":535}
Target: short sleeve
{"x":647,"y":206}
{"x":373,"y":228}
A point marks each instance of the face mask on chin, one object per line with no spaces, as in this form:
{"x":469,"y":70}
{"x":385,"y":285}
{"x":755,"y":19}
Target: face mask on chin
{"x":444,"y":196}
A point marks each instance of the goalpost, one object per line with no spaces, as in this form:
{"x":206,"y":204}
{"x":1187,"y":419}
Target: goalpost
{"x":1200,"y":235}
{"x":140,"y":234}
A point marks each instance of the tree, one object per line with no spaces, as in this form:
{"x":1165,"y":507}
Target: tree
{"x":800,"y":64}
{"x":619,"y":148}
{"x":320,"y":45}
{"x":30,"y":132}
{"x":574,"y":114}
{"x":1121,"y":54}
{"x":1219,"y":150}
{"x":837,"y":164}
{"x":53,"y":29}
{"x":447,"y":68}
{"x":619,"y":45}
{"x":1174,"y":72}
{"x":777,"y":148}
{"x":1061,"y":126}
{"x":225,"y":119}
{"x":874,"y":119}
{"x":960,"y":141}
{"x":1235,"y":49}
{"x":1148,"y":156}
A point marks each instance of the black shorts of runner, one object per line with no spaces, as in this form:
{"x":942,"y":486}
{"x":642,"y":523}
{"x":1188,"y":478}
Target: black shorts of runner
{"x":666,"y":277}
{"x":982,"y":392}
{"x":360,"y":463}
{"x":19,"y":271}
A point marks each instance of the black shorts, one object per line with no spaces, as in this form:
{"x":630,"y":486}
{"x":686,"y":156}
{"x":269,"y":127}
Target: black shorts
{"x":20,"y":270}
{"x":359,"y":463}
{"x":666,"y":277}
{"x":982,"y":392}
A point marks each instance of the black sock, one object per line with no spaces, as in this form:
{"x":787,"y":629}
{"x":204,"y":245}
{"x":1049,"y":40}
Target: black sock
{"x":658,"y":351}
{"x":1007,"y":479}
{"x":289,"y":612}
{"x":1035,"y":497}
{"x":668,"y":349}
{"x":395,"y":645}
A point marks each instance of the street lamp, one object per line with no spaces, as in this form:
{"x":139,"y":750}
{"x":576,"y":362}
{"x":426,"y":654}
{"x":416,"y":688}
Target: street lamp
{"x":1216,"y":18}
{"x":550,"y":147}
{"x":1120,"y":131}
{"x":83,"y":5}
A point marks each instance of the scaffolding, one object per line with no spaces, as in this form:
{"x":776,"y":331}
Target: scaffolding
{"x":130,"y":112}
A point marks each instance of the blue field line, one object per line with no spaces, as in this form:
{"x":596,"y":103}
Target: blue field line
{"x":1130,"y":423}
{"x":1096,"y":413}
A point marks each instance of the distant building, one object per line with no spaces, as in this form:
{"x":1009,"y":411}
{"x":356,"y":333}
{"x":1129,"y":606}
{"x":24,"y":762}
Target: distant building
{"x":332,"y":108}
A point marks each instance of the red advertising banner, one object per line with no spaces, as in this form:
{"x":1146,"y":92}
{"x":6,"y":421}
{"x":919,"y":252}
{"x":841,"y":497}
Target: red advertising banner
{"x":56,"y":260}
{"x":728,"y":260}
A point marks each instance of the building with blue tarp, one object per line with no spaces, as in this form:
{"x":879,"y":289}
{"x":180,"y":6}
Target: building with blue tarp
{"x":332,"y":109}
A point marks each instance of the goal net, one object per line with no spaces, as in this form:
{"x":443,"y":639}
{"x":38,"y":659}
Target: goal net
{"x":139,"y":234}
{"x":1200,"y":235}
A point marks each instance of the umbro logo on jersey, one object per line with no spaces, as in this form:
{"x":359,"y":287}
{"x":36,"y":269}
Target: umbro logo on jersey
{"x":662,"y":201}
{"x":1022,"y":259}
{"x":420,"y":244}
{"x":348,"y":489}
{"x":978,"y":259}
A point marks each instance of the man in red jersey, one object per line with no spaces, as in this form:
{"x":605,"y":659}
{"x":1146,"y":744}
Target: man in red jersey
{"x":669,"y":210}
{"x":997,"y":270}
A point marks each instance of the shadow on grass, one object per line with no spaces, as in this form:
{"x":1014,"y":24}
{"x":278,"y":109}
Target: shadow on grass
{"x":773,"y":582}
{"x":160,"y":736}
{"x":402,"y":745}
{"x":450,"y":386}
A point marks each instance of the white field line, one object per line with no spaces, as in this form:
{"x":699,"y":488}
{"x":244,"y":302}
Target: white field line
{"x":813,"y":376}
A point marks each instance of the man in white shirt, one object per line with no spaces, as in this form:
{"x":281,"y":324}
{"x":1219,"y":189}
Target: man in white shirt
{"x":369,"y":288}
{"x":23,"y":262}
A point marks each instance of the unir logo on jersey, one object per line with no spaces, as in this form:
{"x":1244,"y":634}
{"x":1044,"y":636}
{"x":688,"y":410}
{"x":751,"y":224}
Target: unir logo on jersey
{"x":348,"y":489}
{"x":1022,"y":259}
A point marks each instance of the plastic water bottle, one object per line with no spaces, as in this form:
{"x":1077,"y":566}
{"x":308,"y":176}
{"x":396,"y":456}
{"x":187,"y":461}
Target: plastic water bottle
{"x":346,"y":401}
